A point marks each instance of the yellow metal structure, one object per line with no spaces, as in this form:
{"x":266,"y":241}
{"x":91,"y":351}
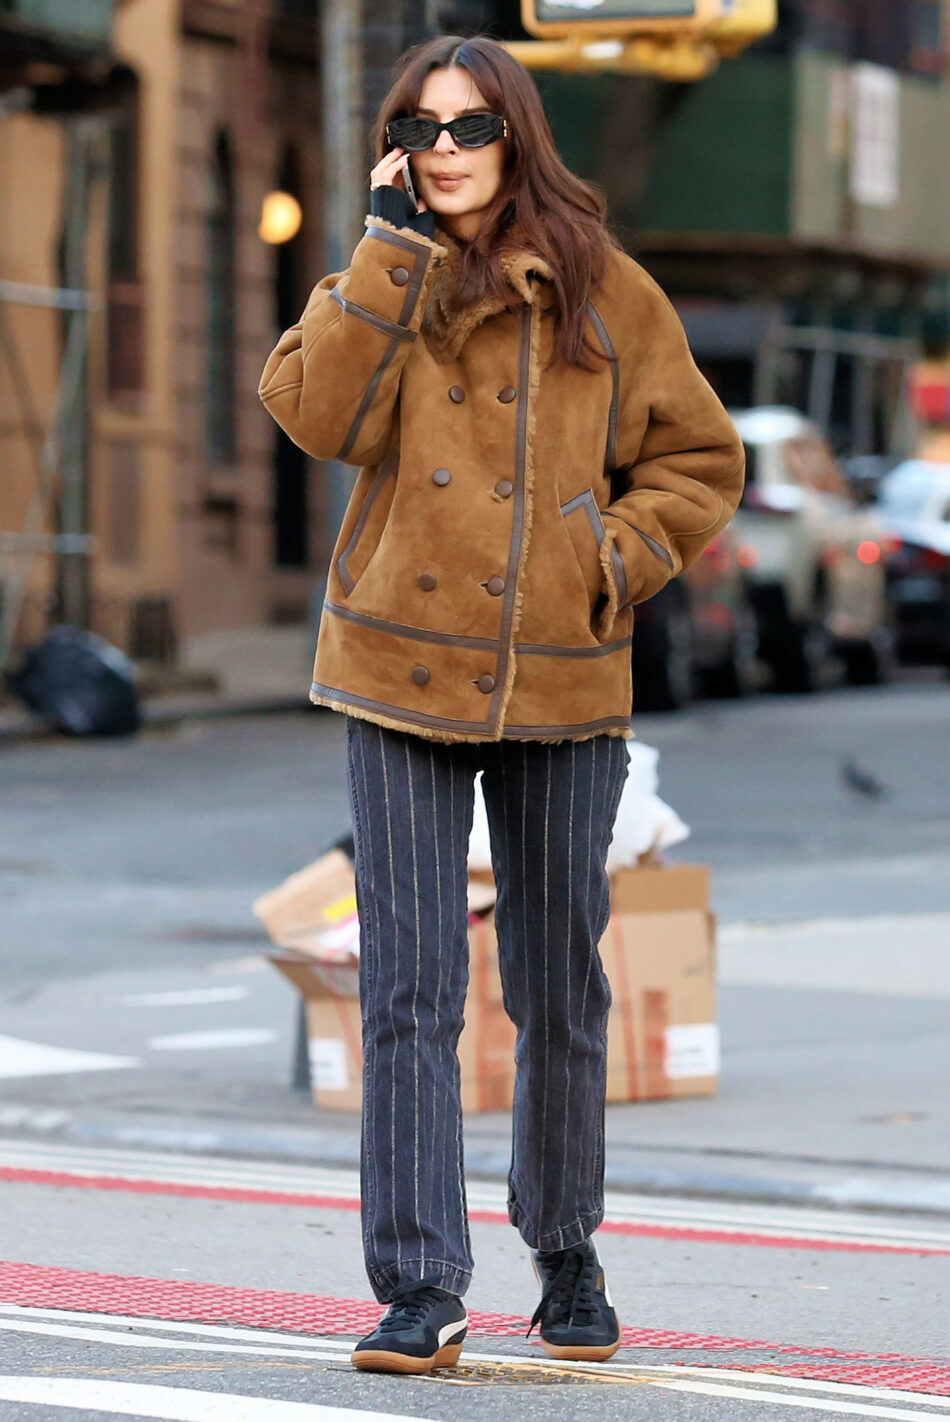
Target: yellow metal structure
{"x":653,"y":17}
{"x":674,"y":45}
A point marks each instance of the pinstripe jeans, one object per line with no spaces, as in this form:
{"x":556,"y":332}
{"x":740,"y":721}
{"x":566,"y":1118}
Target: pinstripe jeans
{"x":551,"y":811}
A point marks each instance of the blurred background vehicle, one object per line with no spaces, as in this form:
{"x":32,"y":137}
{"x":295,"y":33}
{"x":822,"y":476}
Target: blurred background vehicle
{"x":864,"y":472}
{"x":914,"y":505}
{"x":699,"y":634}
{"x":812,"y":558}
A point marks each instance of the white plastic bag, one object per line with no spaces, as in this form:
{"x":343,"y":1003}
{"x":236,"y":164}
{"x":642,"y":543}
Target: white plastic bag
{"x":644,"y":821}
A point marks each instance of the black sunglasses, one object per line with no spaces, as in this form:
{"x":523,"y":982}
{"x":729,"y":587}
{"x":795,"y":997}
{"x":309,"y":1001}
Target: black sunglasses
{"x":468,"y":131}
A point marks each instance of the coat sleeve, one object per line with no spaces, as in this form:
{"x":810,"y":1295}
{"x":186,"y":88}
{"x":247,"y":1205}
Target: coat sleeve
{"x":679,"y":461}
{"x":332,"y":380}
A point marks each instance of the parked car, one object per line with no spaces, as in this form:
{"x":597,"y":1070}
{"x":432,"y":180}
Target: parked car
{"x":914,"y":504}
{"x":813,"y":559}
{"x":698,"y":634}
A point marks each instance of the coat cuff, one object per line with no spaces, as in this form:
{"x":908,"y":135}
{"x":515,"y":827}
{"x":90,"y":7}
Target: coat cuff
{"x":647,"y":563}
{"x":396,"y":206}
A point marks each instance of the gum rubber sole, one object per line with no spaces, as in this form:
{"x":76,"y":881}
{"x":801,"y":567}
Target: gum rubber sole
{"x":583,"y":1353}
{"x":379,"y":1361}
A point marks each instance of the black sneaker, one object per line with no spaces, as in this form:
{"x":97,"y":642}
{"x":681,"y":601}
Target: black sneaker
{"x":576,"y":1312}
{"x":422,"y":1329}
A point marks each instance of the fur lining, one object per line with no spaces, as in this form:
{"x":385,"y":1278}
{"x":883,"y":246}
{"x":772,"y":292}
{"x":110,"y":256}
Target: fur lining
{"x":608,"y":617}
{"x":440,"y":251}
{"x":446,"y":332}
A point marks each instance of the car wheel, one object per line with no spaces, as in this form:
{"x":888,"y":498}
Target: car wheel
{"x":664,"y":661}
{"x":736,"y":674}
{"x":800,"y":663}
{"x":872,"y":662}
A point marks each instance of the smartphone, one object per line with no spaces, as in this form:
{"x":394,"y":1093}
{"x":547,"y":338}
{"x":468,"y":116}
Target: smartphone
{"x":407,"y":179}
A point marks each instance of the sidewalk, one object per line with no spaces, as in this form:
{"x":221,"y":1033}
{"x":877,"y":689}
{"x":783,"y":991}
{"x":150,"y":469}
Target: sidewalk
{"x":832,"y":1087}
{"x":247,"y":672}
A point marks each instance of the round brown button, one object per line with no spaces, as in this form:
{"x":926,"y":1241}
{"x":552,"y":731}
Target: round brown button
{"x":495,"y":586}
{"x":505,"y":488}
{"x":441,"y":476}
{"x":507,"y":394}
{"x":420,"y":675}
{"x":427,"y":581}
{"x":456,"y":393}
{"x":486,"y":682}
{"x":399,"y":276}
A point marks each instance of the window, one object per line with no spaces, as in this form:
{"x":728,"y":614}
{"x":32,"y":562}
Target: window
{"x":219,"y":369}
{"x":907,"y":35}
{"x":928,"y":40}
{"x":125,"y":295}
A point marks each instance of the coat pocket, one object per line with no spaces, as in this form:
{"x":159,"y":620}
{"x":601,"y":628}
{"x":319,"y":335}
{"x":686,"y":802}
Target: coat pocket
{"x":355,"y":557}
{"x":585,"y":528}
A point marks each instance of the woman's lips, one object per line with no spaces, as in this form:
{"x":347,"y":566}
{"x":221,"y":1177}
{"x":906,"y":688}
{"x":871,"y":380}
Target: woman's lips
{"x":448,"y":184}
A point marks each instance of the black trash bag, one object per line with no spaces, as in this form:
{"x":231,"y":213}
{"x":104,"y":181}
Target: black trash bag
{"x":80,"y":683}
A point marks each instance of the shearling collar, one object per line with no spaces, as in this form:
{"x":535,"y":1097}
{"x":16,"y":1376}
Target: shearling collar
{"x":445,"y":334}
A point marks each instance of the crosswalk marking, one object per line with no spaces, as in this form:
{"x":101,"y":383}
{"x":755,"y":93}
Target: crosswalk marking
{"x":815,"y":1404}
{"x":176,"y":1404}
{"x":767,"y":1387}
{"x":22,"y":1058}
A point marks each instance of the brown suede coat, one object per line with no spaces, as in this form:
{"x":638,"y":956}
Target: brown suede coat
{"x":506,"y":517}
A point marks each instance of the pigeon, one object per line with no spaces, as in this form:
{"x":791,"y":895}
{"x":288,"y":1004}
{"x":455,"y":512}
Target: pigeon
{"x":862,"y":781}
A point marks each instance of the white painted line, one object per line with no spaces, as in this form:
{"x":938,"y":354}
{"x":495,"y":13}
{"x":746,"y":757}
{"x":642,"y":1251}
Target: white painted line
{"x":161,"y":1325}
{"x":187,"y":997}
{"x":832,"y":1225}
{"x":176,"y":1404}
{"x":124,"y":1340}
{"x":337,"y":1349}
{"x":776,"y":1399}
{"x":21,"y":1058}
{"x":890,"y":1394}
{"x":212,"y":1041}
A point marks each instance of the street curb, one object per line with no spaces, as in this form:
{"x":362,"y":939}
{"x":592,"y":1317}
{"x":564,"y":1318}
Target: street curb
{"x":22,"y":728}
{"x":854,"y":1190}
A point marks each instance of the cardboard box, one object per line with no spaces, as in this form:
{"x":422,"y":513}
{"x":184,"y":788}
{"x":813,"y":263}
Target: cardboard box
{"x":331,"y":993}
{"x":658,"y":953}
{"x":659,"y":957}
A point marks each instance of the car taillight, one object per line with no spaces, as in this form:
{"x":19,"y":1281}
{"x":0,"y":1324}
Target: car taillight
{"x":891,"y":544}
{"x":869,"y":551}
{"x":933,"y":561}
{"x":746,"y":555}
{"x":719,"y":555}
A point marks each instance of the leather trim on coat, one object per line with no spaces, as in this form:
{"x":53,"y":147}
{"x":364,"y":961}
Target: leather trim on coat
{"x":517,"y":534}
{"x":446,"y":723}
{"x":388,"y":328}
{"x":386,"y":471}
{"x":656,"y":547}
{"x":457,"y":639}
{"x":403,"y":629}
{"x":600,"y":326}
{"x":420,"y":264}
{"x":588,"y":499}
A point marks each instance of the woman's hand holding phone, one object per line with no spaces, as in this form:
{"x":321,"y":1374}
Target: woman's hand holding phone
{"x":393,"y":171}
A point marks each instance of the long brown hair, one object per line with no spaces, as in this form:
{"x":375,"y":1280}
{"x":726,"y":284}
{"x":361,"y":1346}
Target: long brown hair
{"x":540,"y":204}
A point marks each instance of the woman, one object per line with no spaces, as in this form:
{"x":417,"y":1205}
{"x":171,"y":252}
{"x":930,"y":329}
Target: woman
{"x":538,"y":453}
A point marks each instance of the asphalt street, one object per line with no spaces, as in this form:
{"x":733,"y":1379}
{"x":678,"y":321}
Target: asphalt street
{"x":180,"y":1231}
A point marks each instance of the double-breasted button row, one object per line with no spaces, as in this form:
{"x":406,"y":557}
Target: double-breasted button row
{"x":506,"y":394}
{"x":504,"y":487}
{"x":420,"y":675}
